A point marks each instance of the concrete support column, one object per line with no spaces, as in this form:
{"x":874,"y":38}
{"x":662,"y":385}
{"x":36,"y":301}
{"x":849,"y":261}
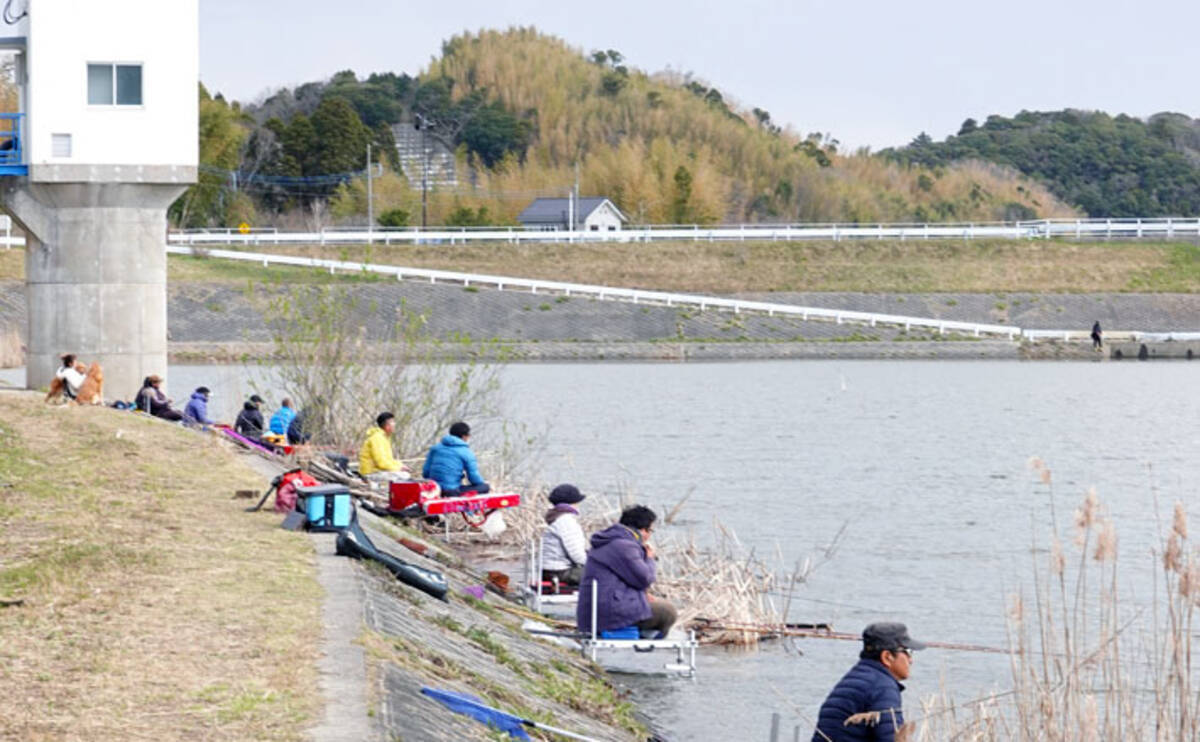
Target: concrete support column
{"x":96,"y":277}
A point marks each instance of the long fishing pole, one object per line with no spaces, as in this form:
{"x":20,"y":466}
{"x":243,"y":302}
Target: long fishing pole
{"x":821,"y":631}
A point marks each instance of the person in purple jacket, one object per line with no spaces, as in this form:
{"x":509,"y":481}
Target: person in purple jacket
{"x":621,"y":564}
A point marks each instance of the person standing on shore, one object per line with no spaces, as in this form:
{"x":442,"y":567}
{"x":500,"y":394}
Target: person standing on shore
{"x":865,"y":704}
{"x":1097,"y":336}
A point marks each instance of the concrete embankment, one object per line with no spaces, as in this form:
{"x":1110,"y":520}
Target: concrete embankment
{"x":221,"y":322}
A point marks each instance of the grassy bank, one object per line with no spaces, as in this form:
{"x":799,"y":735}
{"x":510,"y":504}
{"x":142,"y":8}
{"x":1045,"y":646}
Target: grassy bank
{"x":731,"y":267}
{"x":982,"y":266}
{"x":142,"y":603}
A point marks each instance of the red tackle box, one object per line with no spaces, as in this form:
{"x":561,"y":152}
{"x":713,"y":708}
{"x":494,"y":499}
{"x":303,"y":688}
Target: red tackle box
{"x":411,"y":492}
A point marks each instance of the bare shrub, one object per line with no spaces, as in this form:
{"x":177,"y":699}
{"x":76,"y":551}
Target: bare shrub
{"x":344,"y":364}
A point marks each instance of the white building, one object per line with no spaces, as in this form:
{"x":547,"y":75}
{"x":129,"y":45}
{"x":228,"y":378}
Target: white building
{"x":104,"y":141}
{"x":594,"y":214}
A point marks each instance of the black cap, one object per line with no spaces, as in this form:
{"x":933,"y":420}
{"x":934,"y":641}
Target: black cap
{"x":202,"y":390}
{"x":256,"y":399}
{"x":889,"y":636}
{"x":566,"y":494}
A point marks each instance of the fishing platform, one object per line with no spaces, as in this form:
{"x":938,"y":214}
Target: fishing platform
{"x":542,"y":593}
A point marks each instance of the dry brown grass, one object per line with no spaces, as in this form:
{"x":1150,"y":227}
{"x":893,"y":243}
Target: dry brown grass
{"x":153,"y":607}
{"x":12,"y":264}
{"x":982,"y":266}
{"x":731,"y":267}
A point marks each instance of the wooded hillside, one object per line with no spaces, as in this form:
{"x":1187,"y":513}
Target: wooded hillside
{"x":522,"y":110}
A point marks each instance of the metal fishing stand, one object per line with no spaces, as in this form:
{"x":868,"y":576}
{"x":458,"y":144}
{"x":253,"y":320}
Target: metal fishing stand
{"x":590,"y":644}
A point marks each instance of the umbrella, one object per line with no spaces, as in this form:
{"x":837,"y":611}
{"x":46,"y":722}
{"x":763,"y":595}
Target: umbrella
{"x":505,"y":722}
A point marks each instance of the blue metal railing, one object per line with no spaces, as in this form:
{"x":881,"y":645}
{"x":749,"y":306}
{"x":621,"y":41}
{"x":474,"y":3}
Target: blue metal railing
{"x":12,"y":160}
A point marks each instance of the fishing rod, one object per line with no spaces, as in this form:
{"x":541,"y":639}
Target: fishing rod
{"x":824,"y":631}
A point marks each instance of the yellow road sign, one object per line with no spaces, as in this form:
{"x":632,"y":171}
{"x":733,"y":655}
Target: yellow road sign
{"x":244,"y":228}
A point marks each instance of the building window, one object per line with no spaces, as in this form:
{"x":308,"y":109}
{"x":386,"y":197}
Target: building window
{"x":119,"y":84}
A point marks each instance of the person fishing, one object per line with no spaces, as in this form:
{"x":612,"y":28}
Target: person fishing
{"x":452,"y":459}
{"x":249,"y":421}
{"x":153,"y":400}
{"x":282,"y":417}
{"x":375,"y":459}
{"x":564,"y":547}
{"x":622,"y":566}
{"x":196,"y":411}
{"x":870,"y":687}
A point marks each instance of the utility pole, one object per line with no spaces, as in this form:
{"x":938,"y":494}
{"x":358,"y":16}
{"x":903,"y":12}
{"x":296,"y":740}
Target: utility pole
{"x":423,"y":124}
{"x":370,"y":197}
{"x":574,"y":224}
{"x":570,"y":215}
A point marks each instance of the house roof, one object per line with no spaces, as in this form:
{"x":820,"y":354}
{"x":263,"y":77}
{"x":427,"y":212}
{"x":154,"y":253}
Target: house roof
{"x":554,"y":210}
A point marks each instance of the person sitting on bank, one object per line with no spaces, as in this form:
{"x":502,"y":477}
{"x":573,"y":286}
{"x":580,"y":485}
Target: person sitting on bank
{"x":452,"y":459}
{"x":72,"y":377}
{"x":297,"y":434}
{"x":871,"y":686}
{"x":282,"y":417}
{"x":151,"y":399}
{"x":249,"y":421}
{"x":621,"y":564}
{"x":196,"y":411}
{"x":375,"y":459}
{"x":564,"y":547}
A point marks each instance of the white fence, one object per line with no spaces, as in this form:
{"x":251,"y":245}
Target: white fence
{"x":1167,"y":228}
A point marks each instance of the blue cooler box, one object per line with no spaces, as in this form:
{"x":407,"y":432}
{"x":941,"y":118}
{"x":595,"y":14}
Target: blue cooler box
{"x":327,"y":507}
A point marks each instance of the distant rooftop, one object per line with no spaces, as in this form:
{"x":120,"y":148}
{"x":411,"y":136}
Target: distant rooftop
{"x":554,"y":210}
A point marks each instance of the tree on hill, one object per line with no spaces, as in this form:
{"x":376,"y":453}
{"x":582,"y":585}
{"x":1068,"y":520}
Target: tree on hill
{"x":522,"y":110}
{"x":1109,"y":166}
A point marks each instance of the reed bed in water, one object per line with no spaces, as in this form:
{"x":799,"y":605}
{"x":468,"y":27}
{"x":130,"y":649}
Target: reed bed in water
{"x":728,"y":593}
{"x":1087,"y":663}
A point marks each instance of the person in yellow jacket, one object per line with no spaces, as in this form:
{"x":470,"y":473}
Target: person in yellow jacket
{"x":375,"y":460}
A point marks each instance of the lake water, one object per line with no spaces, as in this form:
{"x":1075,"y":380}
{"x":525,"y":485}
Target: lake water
{"x":926,"y":463}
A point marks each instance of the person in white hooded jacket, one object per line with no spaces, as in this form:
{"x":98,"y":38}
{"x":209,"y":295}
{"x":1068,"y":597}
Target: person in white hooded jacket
{"x":564,"y":547}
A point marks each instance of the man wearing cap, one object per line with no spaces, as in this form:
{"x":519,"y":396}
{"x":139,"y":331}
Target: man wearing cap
{"x":564,"y":548}
{"x":249,"y":421}
{"x":152,"y":399}
{"x":196,"y":411}
{"x":865,"y":704}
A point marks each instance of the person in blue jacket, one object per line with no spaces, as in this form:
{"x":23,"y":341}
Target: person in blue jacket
{"x":196,"y":412}
{"x":452,"y":459}
{"x":872,"y":686}
{"x":282,"y":417}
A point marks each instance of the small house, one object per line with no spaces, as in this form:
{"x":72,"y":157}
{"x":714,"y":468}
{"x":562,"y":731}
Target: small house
{"x":591,"y":214}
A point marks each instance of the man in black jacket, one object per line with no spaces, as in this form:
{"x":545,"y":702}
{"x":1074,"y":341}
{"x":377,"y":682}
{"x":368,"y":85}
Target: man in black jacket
{"x":865,"y":704}
{"x":250,"y":420}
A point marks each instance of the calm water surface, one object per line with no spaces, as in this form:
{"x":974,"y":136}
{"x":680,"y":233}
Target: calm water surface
{"x":926,"y":463}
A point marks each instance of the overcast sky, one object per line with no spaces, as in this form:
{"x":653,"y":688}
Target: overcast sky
{"x":870,"y":73}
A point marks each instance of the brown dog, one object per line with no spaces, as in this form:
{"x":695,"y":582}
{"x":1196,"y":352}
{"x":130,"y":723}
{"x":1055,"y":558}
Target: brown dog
{"x":58,"y":386}
{"x":91,"y":391}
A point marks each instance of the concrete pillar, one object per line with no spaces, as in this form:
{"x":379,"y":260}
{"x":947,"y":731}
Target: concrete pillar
{"x":96,"y":277}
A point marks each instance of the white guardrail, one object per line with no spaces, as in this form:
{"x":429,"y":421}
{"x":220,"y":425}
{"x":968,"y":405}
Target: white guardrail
{"x":663,"y":298}
{"x":635,"y":296}
{"x":1168,"y":228}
